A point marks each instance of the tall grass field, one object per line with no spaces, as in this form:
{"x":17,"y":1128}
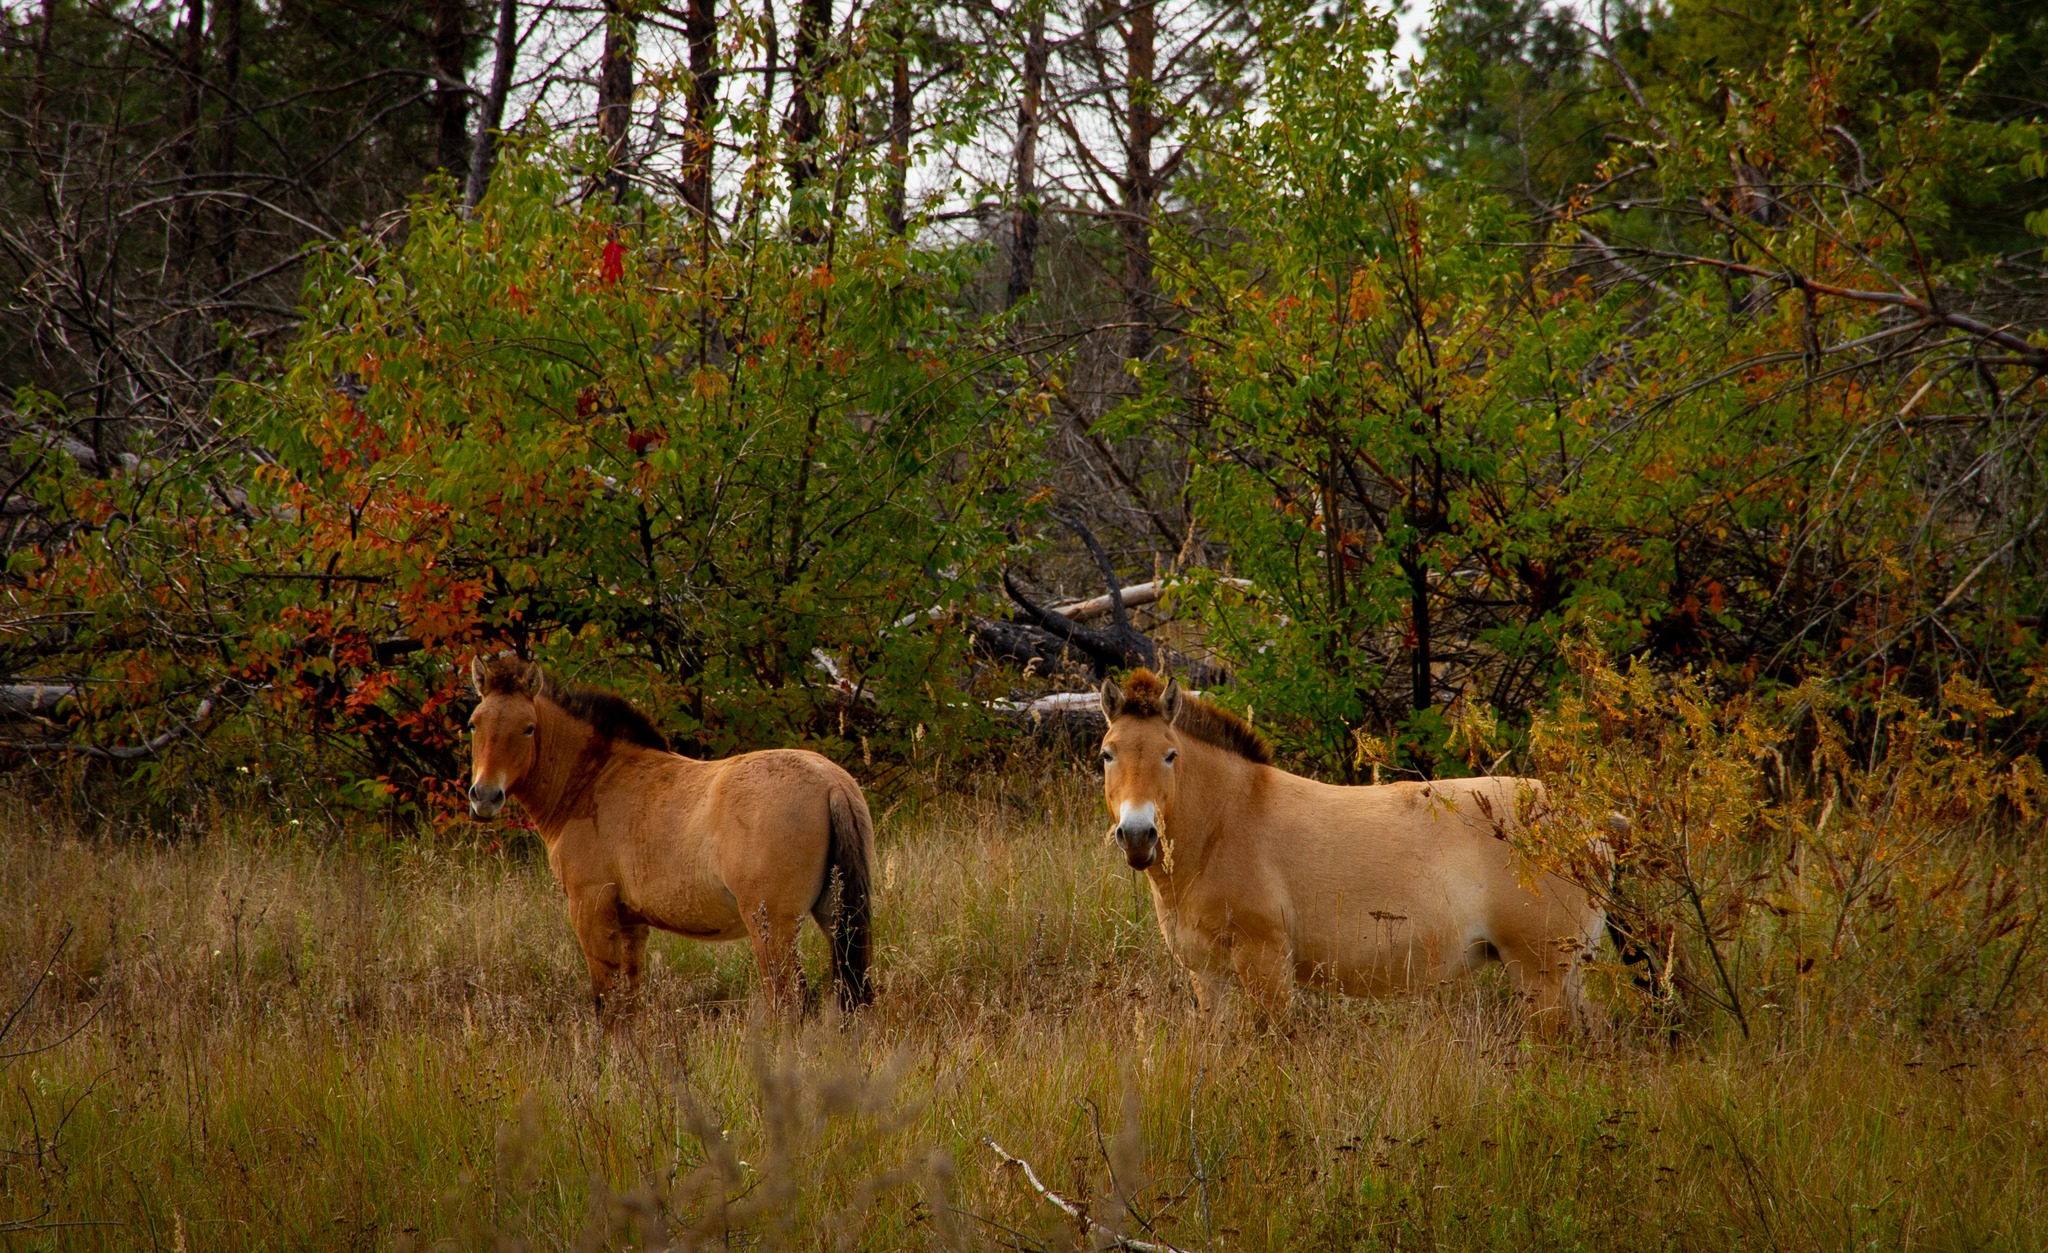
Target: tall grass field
{"x":255,"y":1037}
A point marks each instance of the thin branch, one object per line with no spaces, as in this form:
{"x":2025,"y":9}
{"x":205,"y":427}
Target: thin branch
{"x":2029,"y":352}
{"x":1087,"y":1224}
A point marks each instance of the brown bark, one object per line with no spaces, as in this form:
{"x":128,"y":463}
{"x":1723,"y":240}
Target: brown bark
{"x":806,"y":108}
{"x":1140,"y":180}
{"x":484,"y":152}
{"x":1024,"y":219}
{"x":898,"y":199}
{"x":39,"y":91}
{"x":615,"y":93}
{"x":185,"y":150}
{"x":700,"y":30}
{"x":1421,"y":685}
{"x":227,"y":18}
{"x":450,"y":45}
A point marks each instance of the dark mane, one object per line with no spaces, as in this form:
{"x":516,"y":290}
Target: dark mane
{"x":611,"y":716}
{"x":1144,"y":694}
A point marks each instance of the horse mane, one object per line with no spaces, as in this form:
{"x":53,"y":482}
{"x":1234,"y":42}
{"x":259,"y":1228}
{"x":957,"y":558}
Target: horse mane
{"x":1144,"y":695}
{"x":610,"y":715}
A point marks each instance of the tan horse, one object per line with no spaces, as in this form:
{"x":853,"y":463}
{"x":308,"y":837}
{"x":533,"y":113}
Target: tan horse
{"x":640,"y":837}
{"x":1268,"y":879}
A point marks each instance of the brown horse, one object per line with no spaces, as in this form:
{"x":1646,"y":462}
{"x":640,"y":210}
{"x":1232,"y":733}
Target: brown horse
{"x":1270,"y":879}
{"x":641,"y":837}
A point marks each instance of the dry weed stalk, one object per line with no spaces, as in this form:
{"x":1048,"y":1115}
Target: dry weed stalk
{"x":403,"y":1053}
{"x":1801,"y":851}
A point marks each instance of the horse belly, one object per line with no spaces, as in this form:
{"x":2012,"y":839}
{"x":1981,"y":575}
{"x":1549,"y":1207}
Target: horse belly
{"x":1387,"y":960}
{"x":674,"y":886}
{"x":1392,"y":896}
{"x":698,"y":920}
{"x":1376,"y":933}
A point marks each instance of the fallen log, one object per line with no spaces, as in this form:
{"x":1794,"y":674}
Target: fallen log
{"x":202,"y":720}
{"x":1135,"y":595}
{"x":29,"y":700}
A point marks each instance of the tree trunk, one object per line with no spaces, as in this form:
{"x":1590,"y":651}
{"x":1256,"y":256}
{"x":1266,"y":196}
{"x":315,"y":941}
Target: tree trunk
{"x":227,"y":18}
{"x":700,"y":29}
{"x":897,"y":207}
{"x":615,"y":94}
{"x":806,"y":110}
{"x":184,"y":152}
{"x":1421,"y":682}
{"x":450,"y":44}
{"x":1140,"y":182}
{"x":39,"y":91}
{"x":484,"y":152}
{"x":1333,"y":550}
{"x":1024,"y":213}
{"x":228,"y":215}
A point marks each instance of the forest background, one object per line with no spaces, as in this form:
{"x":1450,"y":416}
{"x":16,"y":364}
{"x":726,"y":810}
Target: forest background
{"x":1647,"y":398}
{"x":780,"y":369}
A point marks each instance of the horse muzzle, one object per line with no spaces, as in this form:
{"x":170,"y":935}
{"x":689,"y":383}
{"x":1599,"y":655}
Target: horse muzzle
{"x":486,"y":799}
{"x":1140,"y":844}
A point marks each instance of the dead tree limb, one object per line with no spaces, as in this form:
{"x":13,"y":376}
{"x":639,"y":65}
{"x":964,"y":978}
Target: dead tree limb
{"x":1088,"y":1225}
{"x":1105,"y":650}
{"x":196,"y":726}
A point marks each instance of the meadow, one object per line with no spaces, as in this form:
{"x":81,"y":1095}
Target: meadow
{"x":266,"y":1034}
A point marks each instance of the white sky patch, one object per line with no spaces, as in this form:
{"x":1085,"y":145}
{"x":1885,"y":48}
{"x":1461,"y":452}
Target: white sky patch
{"x":962,"y":182}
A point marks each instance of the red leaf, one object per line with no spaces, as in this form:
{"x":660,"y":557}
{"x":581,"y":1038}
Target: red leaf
{"x":614,"y":267}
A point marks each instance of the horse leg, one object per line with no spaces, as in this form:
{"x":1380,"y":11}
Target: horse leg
{"x":608,"y":948}
{"x":1550,"y":1014}
{"x":775,"y":954}
{"x":1265,"y":970}
{"x":1212,"y":993}
{"x":632,"y":960}
{"x":1543,"y":980}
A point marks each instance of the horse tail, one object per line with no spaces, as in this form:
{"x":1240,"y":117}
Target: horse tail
{"x":847,"y":866}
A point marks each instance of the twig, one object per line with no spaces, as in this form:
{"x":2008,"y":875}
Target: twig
{"x":1116,"y":1240}
{"x":2026,"y":351}
{"x":37,"y":986}
{"x":1195,"y":1153}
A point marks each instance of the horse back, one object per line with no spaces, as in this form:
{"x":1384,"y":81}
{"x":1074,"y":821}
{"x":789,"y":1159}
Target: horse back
{"x":1385,"y":885}
{"x":687,"y":840}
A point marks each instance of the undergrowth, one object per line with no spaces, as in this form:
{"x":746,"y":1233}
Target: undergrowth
{"x":247,"y":1037}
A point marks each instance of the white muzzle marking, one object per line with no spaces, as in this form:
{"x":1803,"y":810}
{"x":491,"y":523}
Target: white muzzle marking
{"x":486,"y":799}
{"x":1137,"y":830}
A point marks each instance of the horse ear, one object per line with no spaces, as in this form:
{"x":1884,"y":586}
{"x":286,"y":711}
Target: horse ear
{"x":536,"y":679}
{"x":1112,"y":699}
{"x":476,"y":674}
{"x":1170,"y":703}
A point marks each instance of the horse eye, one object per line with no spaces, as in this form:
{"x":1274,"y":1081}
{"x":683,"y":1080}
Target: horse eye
{"x":529,"y":730}
{"x":1171,"y":753}
{"x":1107,"y":757}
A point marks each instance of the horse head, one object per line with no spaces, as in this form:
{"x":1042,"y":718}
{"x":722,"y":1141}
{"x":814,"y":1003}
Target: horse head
{"x":501,"y":745}
{"x":1138,"y":755}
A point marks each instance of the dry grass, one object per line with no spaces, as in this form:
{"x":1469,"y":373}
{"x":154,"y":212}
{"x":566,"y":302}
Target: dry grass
{"x":259,"y":1043}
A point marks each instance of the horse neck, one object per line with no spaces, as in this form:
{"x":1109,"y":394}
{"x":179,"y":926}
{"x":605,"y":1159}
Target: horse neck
{"x":567,"y":754}
{"x":1210,"y":788}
